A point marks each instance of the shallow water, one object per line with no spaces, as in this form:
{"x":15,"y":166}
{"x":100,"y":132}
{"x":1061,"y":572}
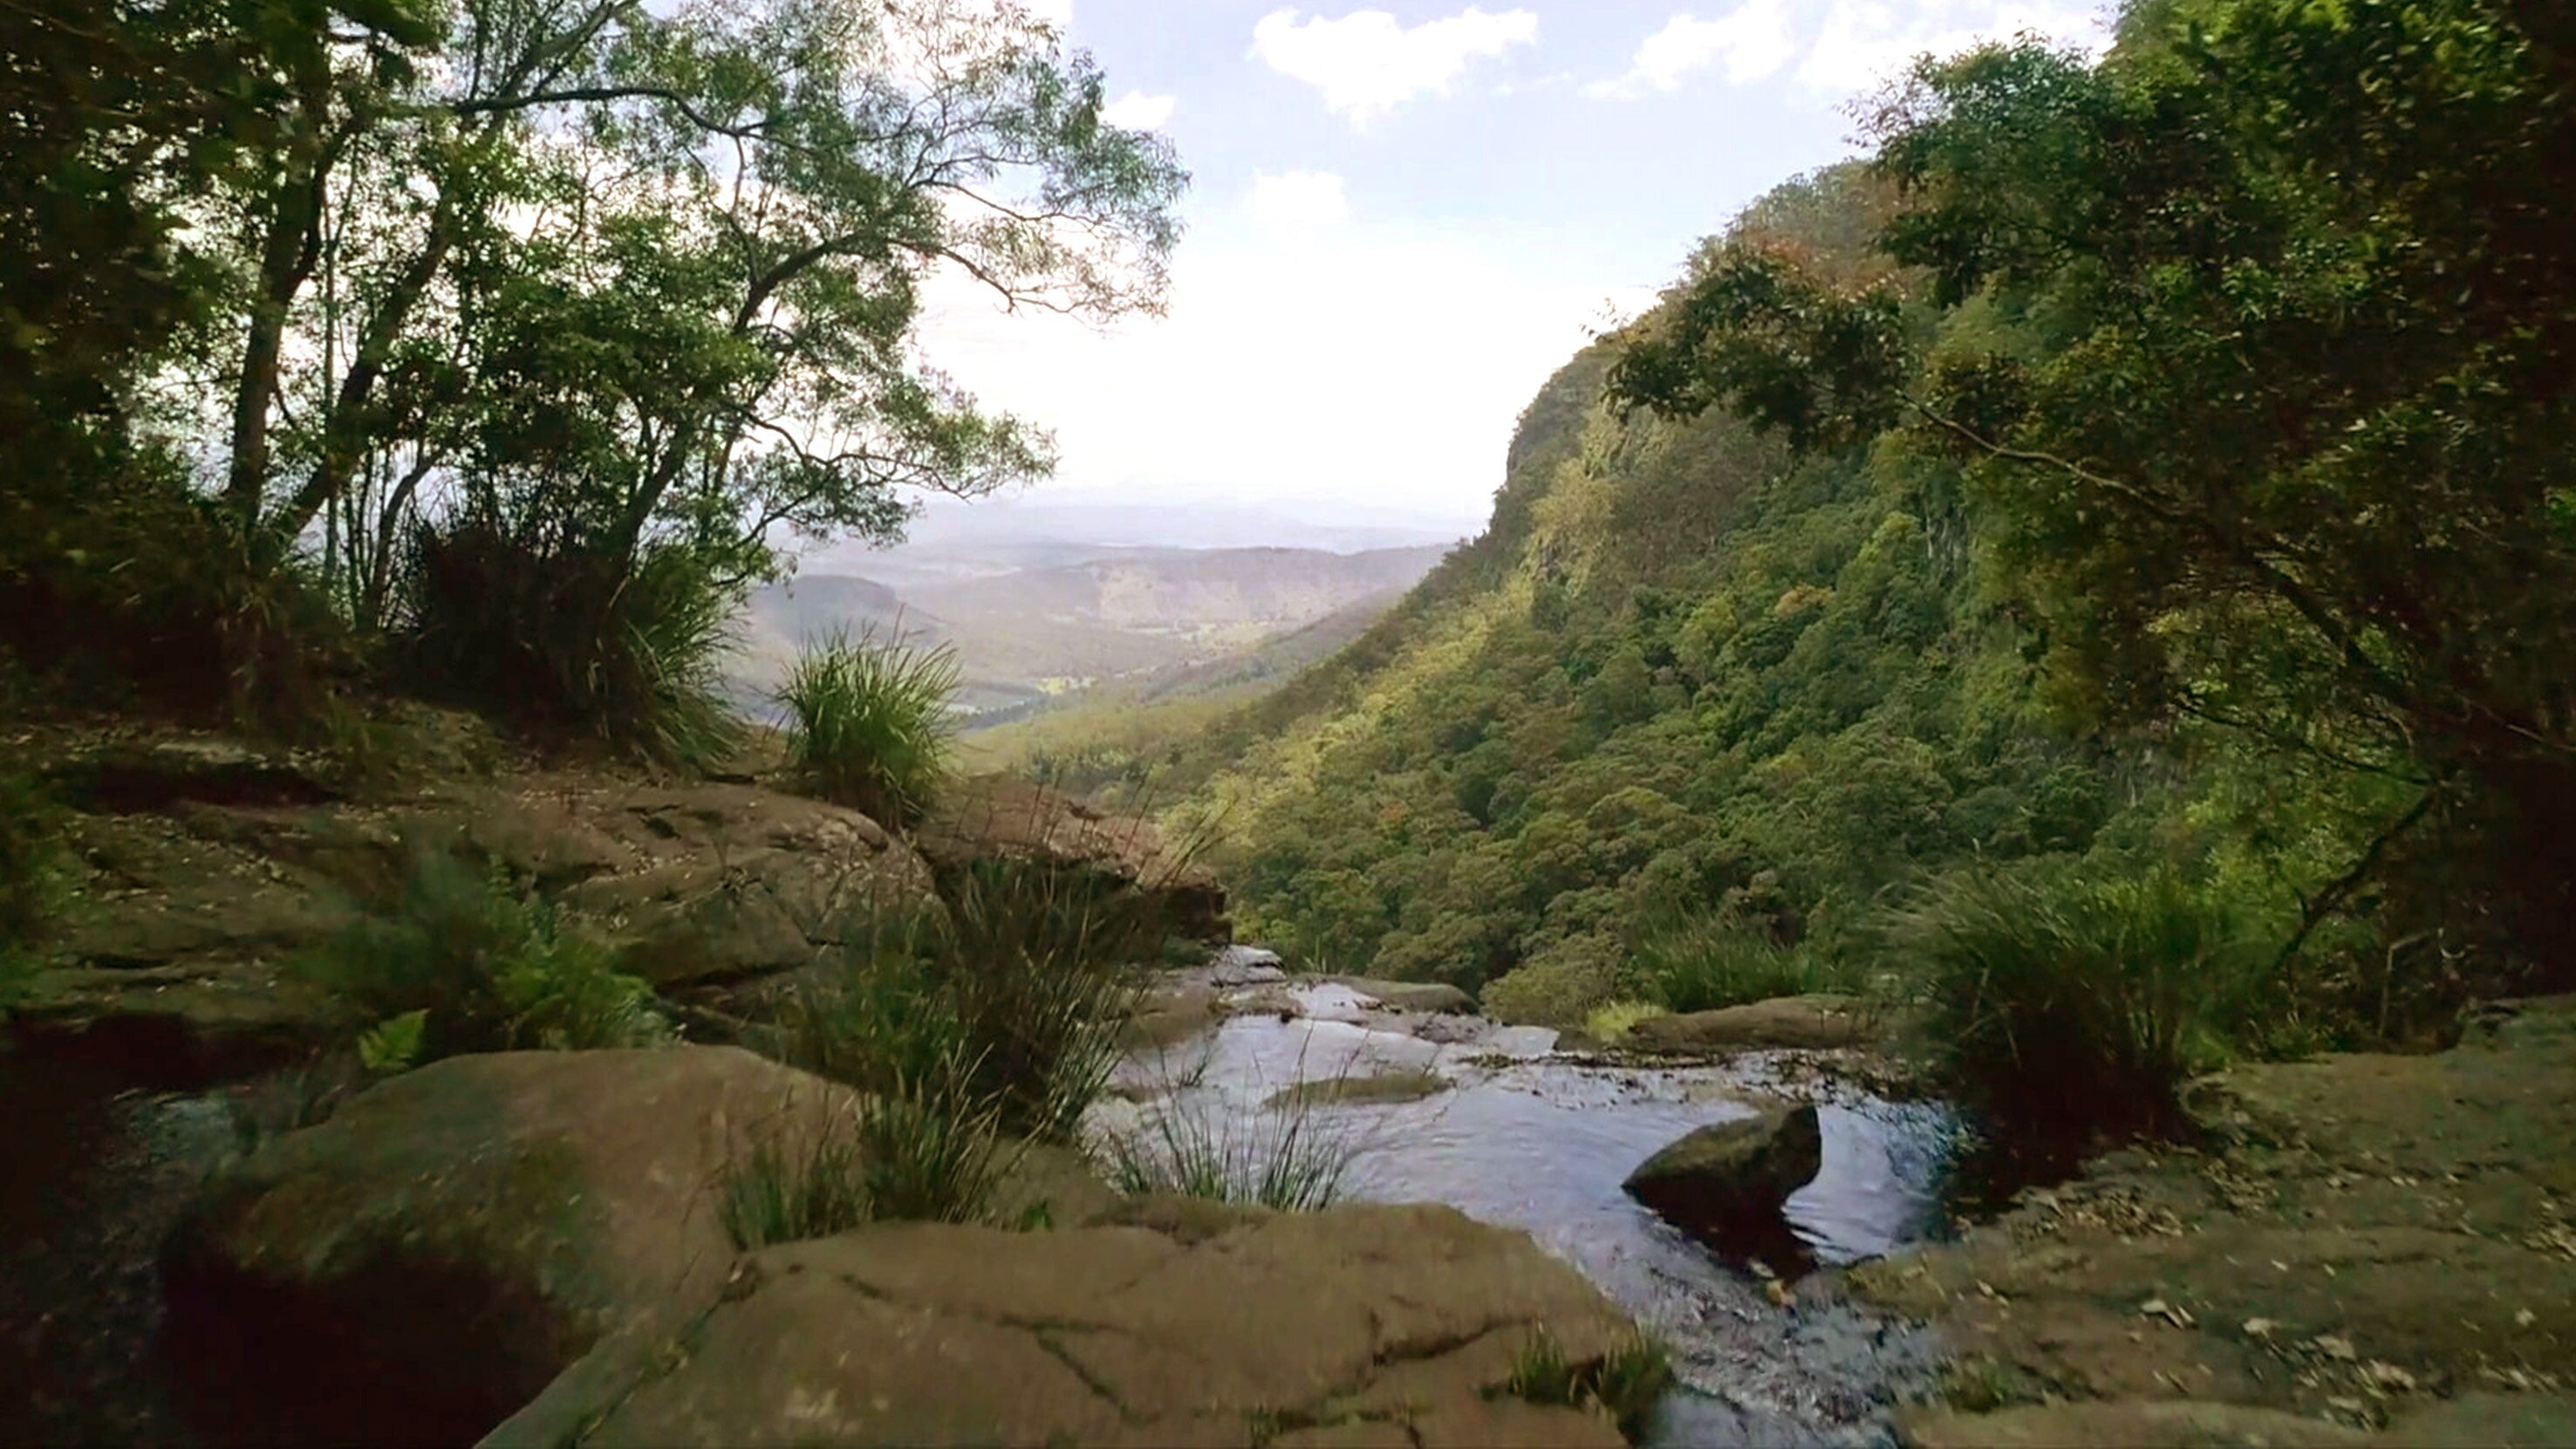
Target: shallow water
{"x":1527,"y":1140}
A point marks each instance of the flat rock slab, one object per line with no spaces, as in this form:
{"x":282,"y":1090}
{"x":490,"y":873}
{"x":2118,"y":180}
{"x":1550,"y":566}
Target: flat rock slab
{"x":1433,"y":997}
{"x":2366,"y":1236}
{"x":925,"y":1334}
{"x":1812,"y":1023}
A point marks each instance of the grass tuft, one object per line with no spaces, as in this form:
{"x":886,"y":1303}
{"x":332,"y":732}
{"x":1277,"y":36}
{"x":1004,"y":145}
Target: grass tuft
{"x":1285,"y":1157}
{"x":1623,"y":1384}
{"x":926,"y":1150}
{"x":869,"y":723}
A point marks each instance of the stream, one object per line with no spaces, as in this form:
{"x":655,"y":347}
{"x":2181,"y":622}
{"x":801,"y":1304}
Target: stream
{"x":98,"y":1173}
{"x":1522,"y":1137}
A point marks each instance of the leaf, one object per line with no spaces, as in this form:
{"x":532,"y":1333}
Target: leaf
{"x":393,"y":1044}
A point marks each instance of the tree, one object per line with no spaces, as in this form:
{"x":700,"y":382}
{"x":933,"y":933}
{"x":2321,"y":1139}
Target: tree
{"x":2275,"y":426}
{"x":660,"y":269}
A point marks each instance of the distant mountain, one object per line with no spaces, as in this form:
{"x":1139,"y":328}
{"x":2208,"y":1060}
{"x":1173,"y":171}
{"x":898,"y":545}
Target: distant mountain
{"x":1074,"y":616}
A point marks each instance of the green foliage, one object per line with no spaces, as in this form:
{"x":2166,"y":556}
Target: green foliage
{"x":489,"y":967}
{"x":393,"y":1045}
{"x":922,"y":1150}
{"x":1704,"y":960}
{"x":1288,"y":1157}
{"x":2253,"y":338}
{"x":2069,"y":997}
{"x":569,"y":638}
{"x":1026,"y":976}
{"x":870,"y":723}
{"x":1623,"y":1384}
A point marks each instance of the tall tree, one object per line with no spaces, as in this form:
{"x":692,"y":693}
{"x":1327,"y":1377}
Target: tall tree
{"x":2284,"y":432}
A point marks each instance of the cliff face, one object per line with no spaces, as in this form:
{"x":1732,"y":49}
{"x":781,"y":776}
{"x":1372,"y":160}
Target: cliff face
{"x":1679,"y":669}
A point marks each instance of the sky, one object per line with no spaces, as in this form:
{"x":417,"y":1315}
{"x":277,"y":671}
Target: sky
{"x":1404,"y":216}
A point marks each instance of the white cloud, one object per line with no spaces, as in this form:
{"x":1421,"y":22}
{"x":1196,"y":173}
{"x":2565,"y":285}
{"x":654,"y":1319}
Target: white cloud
{"x":1753,"y":41}
{"x":1367,"y":63}
{"x":1368,"y":365}
{"x":1865,"y":43}
{"x":1137,"y":111}
{"x":1298,"y":200}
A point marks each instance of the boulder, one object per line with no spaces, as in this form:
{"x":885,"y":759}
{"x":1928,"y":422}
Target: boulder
{"x":999,"y":818}
{"x":1237,"y":966}
{"x":1726,"y":1183}
{"x":1432,"y":997}
{"x":449,"y":1241}
{"x":1819,"y":1023}
{"x":934,"y":1334}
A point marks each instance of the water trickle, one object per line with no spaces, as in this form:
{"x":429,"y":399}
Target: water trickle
{"x":1527,"y":1139}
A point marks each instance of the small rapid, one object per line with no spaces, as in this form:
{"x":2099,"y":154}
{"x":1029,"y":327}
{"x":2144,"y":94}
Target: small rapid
{"x":1519,"y":1135}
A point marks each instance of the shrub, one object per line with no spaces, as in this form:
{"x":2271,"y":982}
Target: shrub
{"x":568,"y":636}
{"x":1704,"y":961}
{"x":925,"y":1150}
{"x":490,"y":966}
{"x":172,"y":612}
{"x":1027,"y":976}
{"x":2066,"y":1000}
{"x":1623,"y":1383}
{"x":869,"y":723}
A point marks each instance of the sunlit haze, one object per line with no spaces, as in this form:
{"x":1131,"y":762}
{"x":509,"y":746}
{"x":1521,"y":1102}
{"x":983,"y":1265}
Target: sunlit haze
{"x":1404,"y":218}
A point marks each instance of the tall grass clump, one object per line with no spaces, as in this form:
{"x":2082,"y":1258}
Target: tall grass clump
{"x":2068,"y":1000}
{"x":481,"y":965}
{"x":869,"y":724}
{"x":925,"y":1149}
{"x":1284,"y":1157}
{"x":1703,"y":960}
{"x":562,"y":635}
{"x":1026,"y":976}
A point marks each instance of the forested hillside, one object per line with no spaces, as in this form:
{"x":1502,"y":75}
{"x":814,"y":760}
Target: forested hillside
{"x":2133,"y":497}
{"x":1682,"y":668}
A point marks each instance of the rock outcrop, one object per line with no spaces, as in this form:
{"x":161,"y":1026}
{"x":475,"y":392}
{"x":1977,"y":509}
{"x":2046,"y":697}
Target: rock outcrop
{"x":1338,"y":1326}
{"x":537,"y":1238}
{"x":1811,"y":1023}
{"x":999,"y":818}
{"x":1726,"y":1183}
{"x":173,"y":957}
{"x":431,"y":1256}
{"x":2363,"y":1239}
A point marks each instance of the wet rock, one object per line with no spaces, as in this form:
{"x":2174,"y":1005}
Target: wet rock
{"x":1170,"y":1014}
{"x":2126,"y":1424}
{"x":1434,"y":997}
{"x":432,"y":1256}
{"x":1820,"y":1023}
{"x":1379,"y":1087}
{"x":1726,"y":1183}
{"x":937,"y":1334}
{"x":999,"y":818}
{"x":1237,"y":966}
